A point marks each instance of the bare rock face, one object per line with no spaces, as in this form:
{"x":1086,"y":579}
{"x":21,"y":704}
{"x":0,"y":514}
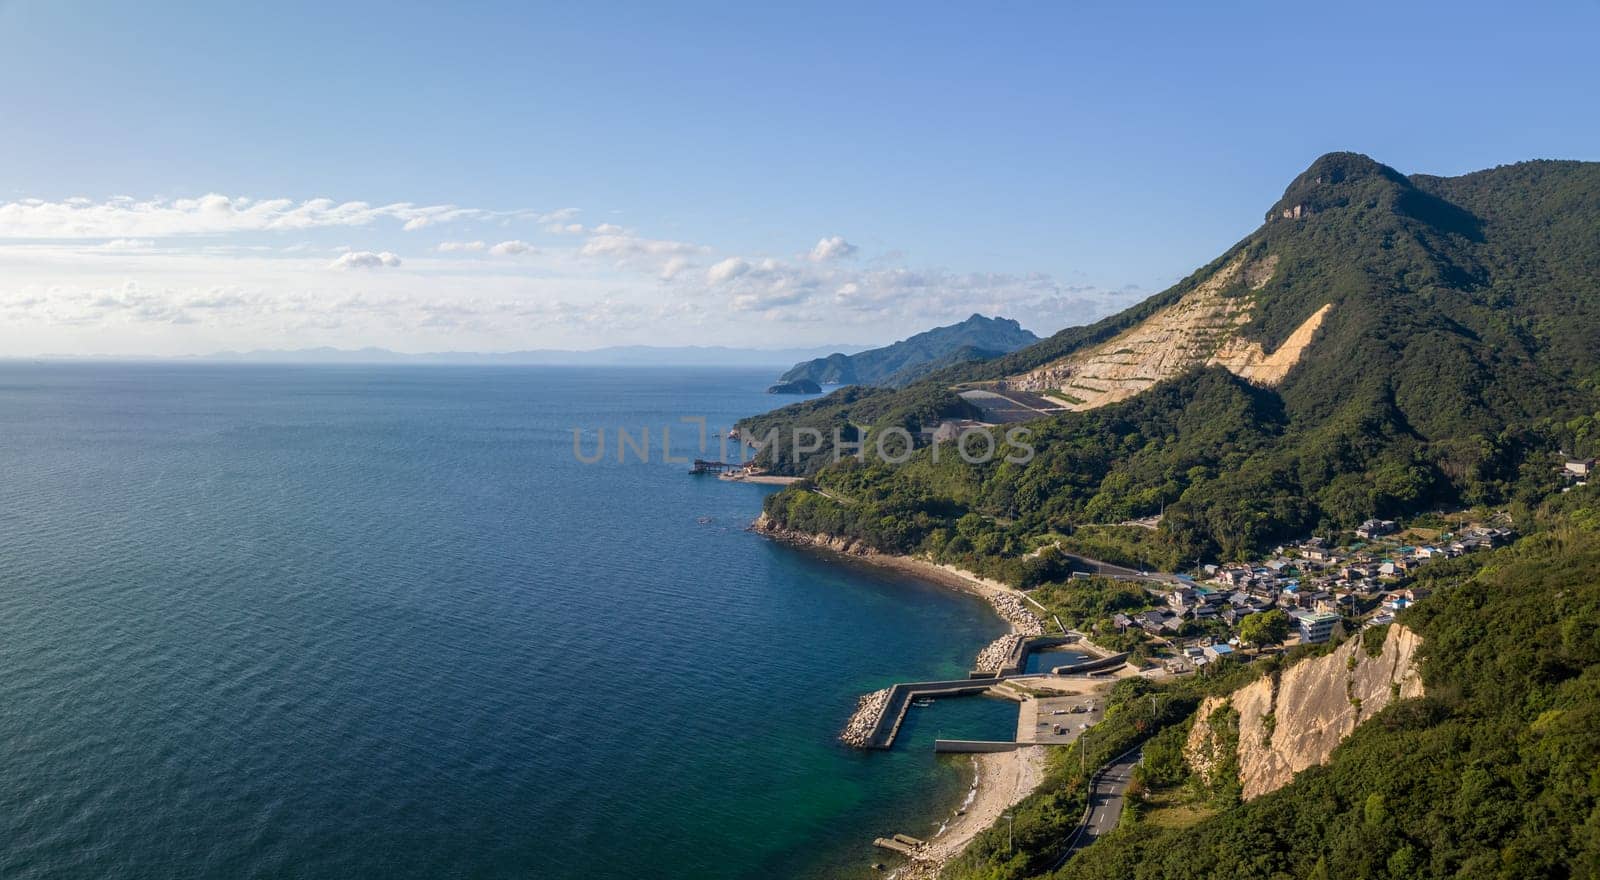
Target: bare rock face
{"x":1297,"y":719}
{"x":1204,"y":327}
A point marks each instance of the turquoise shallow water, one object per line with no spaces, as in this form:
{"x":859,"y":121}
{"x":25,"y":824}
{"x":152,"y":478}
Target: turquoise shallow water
{"x":363,"y":622}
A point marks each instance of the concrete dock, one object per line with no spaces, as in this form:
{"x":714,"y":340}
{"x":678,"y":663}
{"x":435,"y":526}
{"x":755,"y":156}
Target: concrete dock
{"x":895,"y":846}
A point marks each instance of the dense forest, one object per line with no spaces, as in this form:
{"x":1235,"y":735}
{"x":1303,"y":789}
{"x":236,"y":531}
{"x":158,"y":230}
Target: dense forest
{"x":1458,"y":360}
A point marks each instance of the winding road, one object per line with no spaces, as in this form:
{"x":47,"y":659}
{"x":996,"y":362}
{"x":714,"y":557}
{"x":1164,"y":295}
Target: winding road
{"x":1105,"y":804}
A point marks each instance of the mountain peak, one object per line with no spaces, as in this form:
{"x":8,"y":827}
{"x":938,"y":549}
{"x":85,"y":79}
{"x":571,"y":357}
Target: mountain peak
{"x":980,"y":320}
{"x":1331,"y":181}
{"x":1339,"y":167}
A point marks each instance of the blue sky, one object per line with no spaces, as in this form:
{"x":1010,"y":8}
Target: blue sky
{"x":741,"y":173}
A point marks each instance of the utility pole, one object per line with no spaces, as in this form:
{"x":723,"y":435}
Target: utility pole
{"x":1008,"y":833}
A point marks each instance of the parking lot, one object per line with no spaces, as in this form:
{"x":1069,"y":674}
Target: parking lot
{"x":1059,"y":720}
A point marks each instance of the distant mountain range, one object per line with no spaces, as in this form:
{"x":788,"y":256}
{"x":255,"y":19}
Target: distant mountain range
{"x":976,"y":339}
{"x":615,"y":356}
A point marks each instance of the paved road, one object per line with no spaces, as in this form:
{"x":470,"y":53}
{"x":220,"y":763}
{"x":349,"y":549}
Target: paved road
{"x":1105,"y":804}
{"x":1096,"y":566}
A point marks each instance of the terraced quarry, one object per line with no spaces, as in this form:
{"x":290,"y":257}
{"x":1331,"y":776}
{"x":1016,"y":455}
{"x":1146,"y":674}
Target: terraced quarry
{"x":1200,"y":328}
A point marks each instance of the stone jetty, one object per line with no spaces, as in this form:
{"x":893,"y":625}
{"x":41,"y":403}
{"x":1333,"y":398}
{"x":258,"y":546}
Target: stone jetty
{"x":1024,"y":623}
{"x":1014,"y":609}
{"x":997,"y":653}
{"x":863,"y":724}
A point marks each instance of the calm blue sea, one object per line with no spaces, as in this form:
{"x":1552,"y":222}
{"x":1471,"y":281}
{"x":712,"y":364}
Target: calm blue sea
{"x":341,"y":622}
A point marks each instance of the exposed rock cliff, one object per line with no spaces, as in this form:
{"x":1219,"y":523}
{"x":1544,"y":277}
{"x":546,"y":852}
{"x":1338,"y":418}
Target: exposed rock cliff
{"x":1296,"y":719}
{"x":1202,"y":328}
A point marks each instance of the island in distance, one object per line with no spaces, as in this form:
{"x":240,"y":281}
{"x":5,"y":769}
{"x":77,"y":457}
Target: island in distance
{"x":976,"y":339}
{"x":798,"y":386}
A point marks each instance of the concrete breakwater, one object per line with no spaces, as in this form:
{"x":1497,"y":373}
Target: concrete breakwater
{"x":862,"y":728}
{"x":879,"y":714}
{"x":972,"y":746}
{"x":1024,"y":624}
{"x":884,"y":725}
{"x":1098,"y":664}
{"x":997,"y":653}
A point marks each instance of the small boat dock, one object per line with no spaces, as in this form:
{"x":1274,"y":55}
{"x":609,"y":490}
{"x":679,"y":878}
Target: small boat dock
{"x":704,"y":466}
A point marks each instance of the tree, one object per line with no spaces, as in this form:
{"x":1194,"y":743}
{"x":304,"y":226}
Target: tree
{"x":1264,"y":628}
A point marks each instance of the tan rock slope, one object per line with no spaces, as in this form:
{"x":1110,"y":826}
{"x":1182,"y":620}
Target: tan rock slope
{"x":1297,"y":719}
{"x":1200,"y":328}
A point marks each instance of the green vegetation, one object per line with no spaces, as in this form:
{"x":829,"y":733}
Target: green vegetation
{"x":1134,"y":710}
{"x":1492,"y":774}
{"x":848,"y":415}
{"x":1372,"y":639}
{"x":1265,"y":628}
{"x":1088,"y":606}
{"x":975,"y":339}
{"x":1459,"y":355}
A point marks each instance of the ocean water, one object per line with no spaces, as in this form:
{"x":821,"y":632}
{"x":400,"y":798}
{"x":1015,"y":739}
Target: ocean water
{"x":342,"y":622}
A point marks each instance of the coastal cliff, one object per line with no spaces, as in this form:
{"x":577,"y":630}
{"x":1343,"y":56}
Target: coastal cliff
{"x":1295,"y":719}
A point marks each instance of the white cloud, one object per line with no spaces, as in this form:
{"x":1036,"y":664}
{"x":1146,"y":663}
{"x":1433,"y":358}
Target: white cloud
{"x":64,"y":269}
{"x":560,"y":222}
{"x":834,"y":247}
{"x":674,"y":267}
{"x":559,"y":215}
{"x":627,"y":252}
{"x":128,"y":244}
{"x":511,"y":248}
{"x":211,"y":214}
{"x":366,"y":260}
{"x":619,"y":244}
{"x":424,"y":217}
{"x":727,"y":270}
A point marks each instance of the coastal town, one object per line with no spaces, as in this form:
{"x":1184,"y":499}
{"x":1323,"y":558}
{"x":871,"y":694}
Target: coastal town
{"x":1317,"y":588}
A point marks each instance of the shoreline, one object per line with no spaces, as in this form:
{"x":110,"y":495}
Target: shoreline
{"x":943,"y":575}
{"x":761,"y":479}
{"x":999,"y":779}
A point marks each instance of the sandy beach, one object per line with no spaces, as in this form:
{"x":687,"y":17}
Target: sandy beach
{"x":1000,"y":781}
{"x":763,"y":479}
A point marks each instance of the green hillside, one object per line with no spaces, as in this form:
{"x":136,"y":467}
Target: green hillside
{"x":1460,"y":352}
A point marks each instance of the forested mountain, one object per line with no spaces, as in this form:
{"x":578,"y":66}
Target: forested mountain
{"x":1443,"y":345}
{"x":976,"y":339}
